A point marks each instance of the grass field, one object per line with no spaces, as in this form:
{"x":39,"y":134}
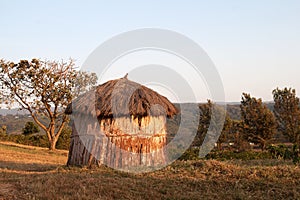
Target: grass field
{"x":35,"y":173}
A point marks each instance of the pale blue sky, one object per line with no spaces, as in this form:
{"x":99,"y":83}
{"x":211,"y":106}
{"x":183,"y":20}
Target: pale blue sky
{"x":255,"y":45}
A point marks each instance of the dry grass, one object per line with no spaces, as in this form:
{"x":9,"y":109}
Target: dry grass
{"x":19,"y":158}
{"x":36,"y":173}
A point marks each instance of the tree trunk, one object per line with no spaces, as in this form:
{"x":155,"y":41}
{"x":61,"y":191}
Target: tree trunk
{"x":52,"y":145}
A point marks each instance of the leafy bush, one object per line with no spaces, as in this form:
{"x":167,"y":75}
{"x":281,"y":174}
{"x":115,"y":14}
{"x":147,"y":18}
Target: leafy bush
{"x":284,"y":152}
{"x":193,"y":154}
{"x":190,"y":154}
{"x":30,"y":128}
{"x":296,"y":154}
{"x":280,"y":152}
{"x":244,"y":155}
{"x":64,"y":139}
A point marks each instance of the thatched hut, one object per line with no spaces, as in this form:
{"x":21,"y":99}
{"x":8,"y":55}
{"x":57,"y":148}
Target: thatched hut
{"x":121,"y":124}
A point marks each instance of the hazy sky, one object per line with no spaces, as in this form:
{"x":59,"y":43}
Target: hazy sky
{"x":255,"y":45}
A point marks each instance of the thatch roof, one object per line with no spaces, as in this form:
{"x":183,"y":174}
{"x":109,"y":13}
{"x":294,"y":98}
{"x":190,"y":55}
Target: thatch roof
{"x":122,"y":97}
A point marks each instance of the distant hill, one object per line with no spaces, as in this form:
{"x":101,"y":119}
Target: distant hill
{"x":14,"y":111}
{"x":15,"y":123}
{"x":234,"y":111}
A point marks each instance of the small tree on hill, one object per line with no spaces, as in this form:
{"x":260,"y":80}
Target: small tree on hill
{"x":287,"y":113}
{"x":258,"y":122}
{"x":43,"y":88}
{"x":30,"y":128}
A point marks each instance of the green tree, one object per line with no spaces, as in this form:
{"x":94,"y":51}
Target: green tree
{"x":30,"y":128}
{"x":258,"y":122}
{"x":43,"y":88}
{"x":206,"y":121}
{"x":287,"y":113}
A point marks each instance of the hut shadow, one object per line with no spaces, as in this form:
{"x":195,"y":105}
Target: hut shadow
{"x":26,"y":167}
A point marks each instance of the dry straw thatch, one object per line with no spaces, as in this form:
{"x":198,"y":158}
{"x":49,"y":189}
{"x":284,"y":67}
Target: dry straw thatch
{"x":122,"y":97}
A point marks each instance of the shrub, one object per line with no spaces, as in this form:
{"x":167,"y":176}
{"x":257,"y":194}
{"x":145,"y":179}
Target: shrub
{"x":244,"y":155}
{"x":30,"y":128}
{"x":64,"y":138}
{"x":279,"y":152}
{"x":284,"y":152}
{"x":193,"y":154}
{"x":296,"y":154}
{"x":190,"y":154}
